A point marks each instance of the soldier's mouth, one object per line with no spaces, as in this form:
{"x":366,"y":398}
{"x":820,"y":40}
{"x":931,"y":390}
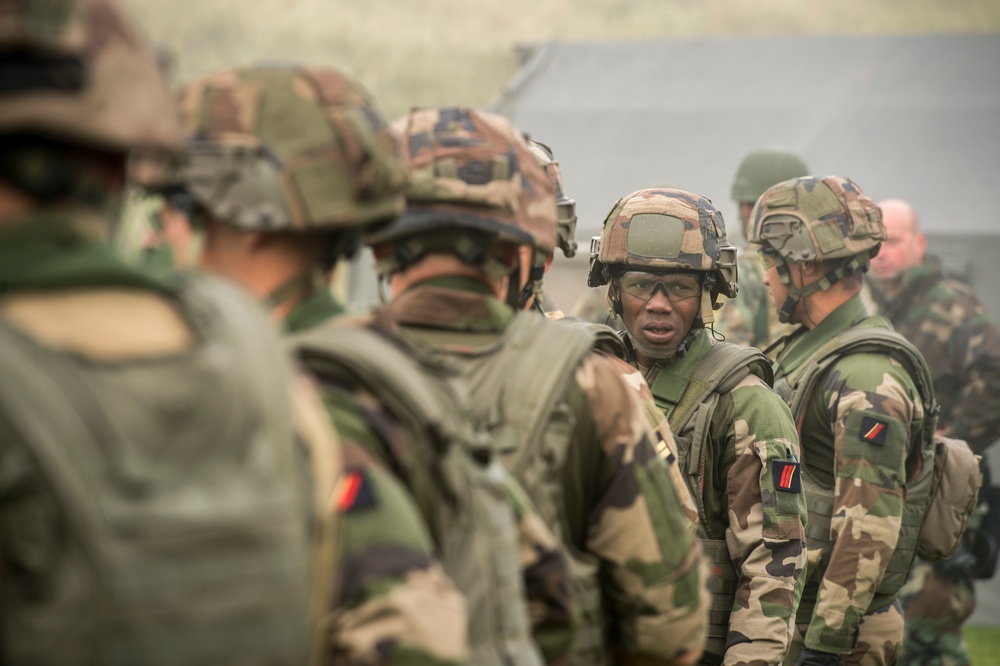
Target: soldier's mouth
{"x":658,"y":333}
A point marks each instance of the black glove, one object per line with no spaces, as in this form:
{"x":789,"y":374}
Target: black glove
{"x":816,"y":658}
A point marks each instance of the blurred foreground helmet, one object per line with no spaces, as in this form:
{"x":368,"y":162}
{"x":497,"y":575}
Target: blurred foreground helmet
{"x":761,"y":169}
{"x":816,"y":219}
{"x":473,"y":171}
{"x":287,"y":149}
{"x":666,"y":229}
{"x":74,"y":70}
{"x":566,"y":207}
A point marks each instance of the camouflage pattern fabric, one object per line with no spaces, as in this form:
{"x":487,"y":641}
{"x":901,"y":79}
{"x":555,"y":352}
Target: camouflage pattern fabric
{"x":619,"y":506}
{"x":856,"y":431}
{"x":877,"y":643}
{"x":943,"y":318}
{"x":750,"y":319}
{"x":749,"y":437}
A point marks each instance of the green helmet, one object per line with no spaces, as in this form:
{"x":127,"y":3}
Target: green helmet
{"x":471,"y":171}
{"x":761,"y":169}
{"x":74,"y":70}
{"x":287,"y":149}
{"x":816,"y":219}
{"x":665,"y":228}
{"x":566,"y":207}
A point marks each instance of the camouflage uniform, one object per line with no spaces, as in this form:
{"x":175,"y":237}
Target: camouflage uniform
{"x":943,"y":318}
{"x":858,"y":421}
{"x":335,"y":175}
{"x":476,"y":191}
{"x":751,"y":319}
{"x":750,"y":522}
{"x":152,"y":507}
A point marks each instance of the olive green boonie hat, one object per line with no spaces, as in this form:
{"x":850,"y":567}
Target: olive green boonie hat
{"x":75,"y":70}
{"x":471,"y":170}
{"x":287,"y":149}
{"x":761,"y":169}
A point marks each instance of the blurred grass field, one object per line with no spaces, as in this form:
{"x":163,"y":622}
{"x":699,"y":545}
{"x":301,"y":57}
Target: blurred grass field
{"x":443,"y":52}
{"x":983,"y":644}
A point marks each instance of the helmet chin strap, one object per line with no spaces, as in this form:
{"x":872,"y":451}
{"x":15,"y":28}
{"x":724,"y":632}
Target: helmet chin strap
{"x":858,"y":262}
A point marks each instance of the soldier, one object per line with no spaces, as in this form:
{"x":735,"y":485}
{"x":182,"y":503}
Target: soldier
{"x":751,"y":319}
{"x":152,"y":506}
{"x":852,"y":385}
{"x":943,"y":318}
{"x":561,"y":416}
{"x":283,"y":169}
{"x":665,"y":257}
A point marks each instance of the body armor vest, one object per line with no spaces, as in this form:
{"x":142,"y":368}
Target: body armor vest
{"x":519,"y":384}
{"x":460,"y":486}
{"x":688,"y":402}
{"x":872,"y":335}
{"x":185,"y":509}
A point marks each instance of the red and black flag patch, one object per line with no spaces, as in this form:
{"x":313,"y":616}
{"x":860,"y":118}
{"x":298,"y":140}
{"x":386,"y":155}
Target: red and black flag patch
{"x":873,"y":430}
{"x":786,"y":476}
{"x":355,"y":492}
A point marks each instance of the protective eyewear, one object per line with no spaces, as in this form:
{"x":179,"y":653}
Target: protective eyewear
{"x":676,"y":287}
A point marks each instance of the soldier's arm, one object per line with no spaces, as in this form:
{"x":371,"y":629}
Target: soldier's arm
{"x":546,"y":578}
{"x":766,"y":535}
{"x":975,"y":346}
{"x":871,"y":403}
{"x":624,"y":511}
{"x":393,"y":600}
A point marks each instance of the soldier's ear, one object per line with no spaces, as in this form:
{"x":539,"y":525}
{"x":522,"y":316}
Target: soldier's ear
{"x":615,"y":297}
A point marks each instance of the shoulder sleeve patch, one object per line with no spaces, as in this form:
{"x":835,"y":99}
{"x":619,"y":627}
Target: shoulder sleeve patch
{"x":786,"y":476}
{"x":873,"y":430}
{"x":356,"y":492}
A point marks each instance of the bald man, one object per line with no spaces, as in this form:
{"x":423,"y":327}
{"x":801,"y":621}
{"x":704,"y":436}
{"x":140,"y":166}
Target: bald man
{"x":943,"y":318}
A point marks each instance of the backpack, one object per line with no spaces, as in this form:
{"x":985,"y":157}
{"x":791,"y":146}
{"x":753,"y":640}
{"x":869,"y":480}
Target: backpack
{"x":457,"y":483}
{"x":183,"y":501}
{"x":943,"y":473}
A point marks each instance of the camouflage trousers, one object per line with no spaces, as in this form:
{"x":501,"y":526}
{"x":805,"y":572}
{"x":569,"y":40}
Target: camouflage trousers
{"x":936,"y":599}
{"x":880,"y":636}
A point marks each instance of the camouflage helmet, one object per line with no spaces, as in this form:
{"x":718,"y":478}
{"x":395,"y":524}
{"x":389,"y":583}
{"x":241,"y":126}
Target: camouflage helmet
{"x":817,"y":219}
{"x":665,"y":228}
{"x":761,"y":169}
{"x":287,"y":149}
{"x":566,"y":207}
{"x":471,"y":170}
{"x":75,"y":70}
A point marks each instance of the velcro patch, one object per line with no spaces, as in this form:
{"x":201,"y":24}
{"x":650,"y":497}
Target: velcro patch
{"x":873,"y":430}
{"x":356,"y":492}
{"x":786,"y":476}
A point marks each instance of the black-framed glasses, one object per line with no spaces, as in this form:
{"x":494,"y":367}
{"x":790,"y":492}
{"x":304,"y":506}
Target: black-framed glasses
{"x":675,"y":286}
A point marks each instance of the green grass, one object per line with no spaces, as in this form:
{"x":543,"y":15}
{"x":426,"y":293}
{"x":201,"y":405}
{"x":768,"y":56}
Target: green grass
{"x":442,"y":52}
{"x":983,"y":644}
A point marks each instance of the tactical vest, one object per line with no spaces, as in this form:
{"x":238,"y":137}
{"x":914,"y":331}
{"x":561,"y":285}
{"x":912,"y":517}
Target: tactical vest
{"x":688,"y":403}
{"x":873,"y":336}
{"x":519,"y":384}
{"x":463,"y":498}
{"x":183,"y":500}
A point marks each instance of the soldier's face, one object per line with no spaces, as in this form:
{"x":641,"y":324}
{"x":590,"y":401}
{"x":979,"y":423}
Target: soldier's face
{"x":658,"y":309}
{"x":905,"y":246}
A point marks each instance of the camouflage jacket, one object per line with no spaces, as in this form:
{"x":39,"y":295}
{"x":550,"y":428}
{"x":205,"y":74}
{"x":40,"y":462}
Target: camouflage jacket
{"x":856,"y":431}
{"x":942,"y":317}
{"x":751,"y":319}
{"x":393,"y":600}
{"x":750,"y":433}
{"x":618,"y":501}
